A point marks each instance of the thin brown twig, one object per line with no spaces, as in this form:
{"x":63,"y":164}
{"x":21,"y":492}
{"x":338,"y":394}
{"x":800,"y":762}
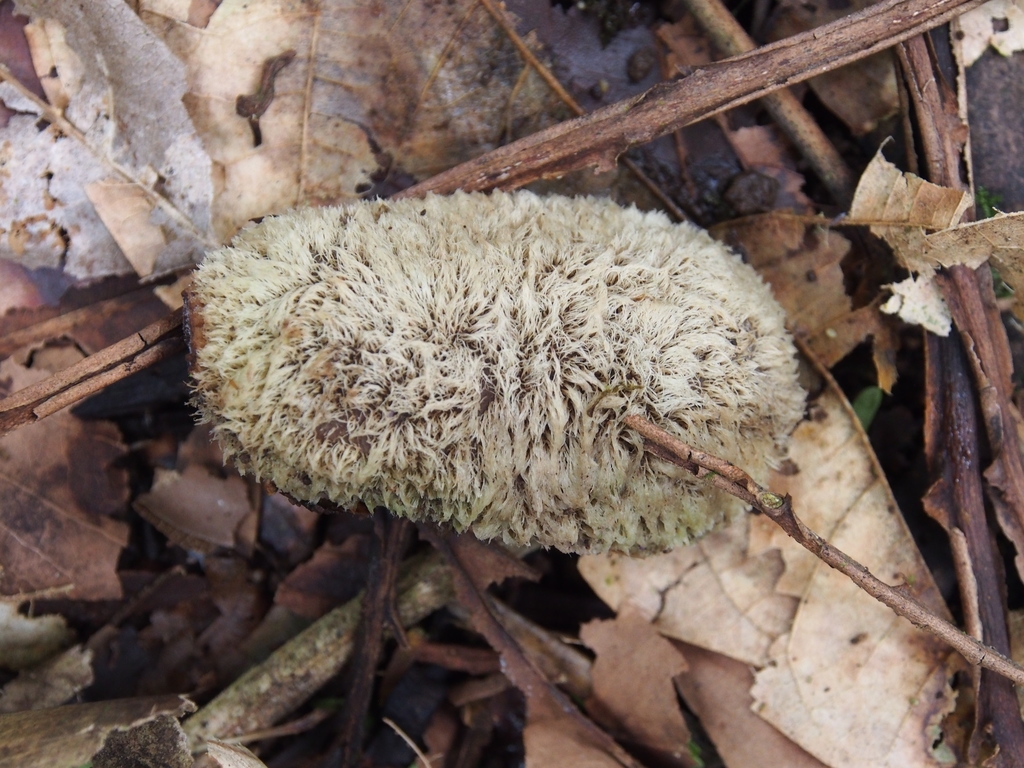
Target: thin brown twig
{"x":543,"y":696}
{"x":599,"y":138}
{"x":386,"y":550}
{"x":149,"y":346}
{"x":738,"y":483}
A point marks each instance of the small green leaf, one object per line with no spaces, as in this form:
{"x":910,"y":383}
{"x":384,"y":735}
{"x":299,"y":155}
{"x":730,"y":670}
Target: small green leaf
{"x":866,"y":405}
{"x":695,"y":753}
{"x":987,"y":202}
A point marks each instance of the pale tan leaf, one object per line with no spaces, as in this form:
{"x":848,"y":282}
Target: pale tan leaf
{"x":125,"y":211}
{"x":884,"y":193}
{"x":919,"y":302}
{"x":916,"y":206}
{"x":631,"y":655}
{"x":119,"y":125}
{"x":843,"y":677}
{"x":373,"y":93}
{"x":709,"y":594}
{"x":851,"y":682}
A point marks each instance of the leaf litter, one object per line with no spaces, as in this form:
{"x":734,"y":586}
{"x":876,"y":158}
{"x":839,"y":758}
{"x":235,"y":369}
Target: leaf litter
{"x":341,"y":125}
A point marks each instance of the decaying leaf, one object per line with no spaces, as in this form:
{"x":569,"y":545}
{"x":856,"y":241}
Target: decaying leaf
{"x":841,"y":675}
{"x":851,"y":682}
{"x":801,"y":262}
{"x":979,"y":29}
{"x":924,"y":233}
{"x":372,"y":93}
{"x":50,"y":684}
{"x":919,"y":302}
{"x":914,"y":206}
{"x":123,"y":132}
{"x":711,"y":594}
{"x":25,"y":641}
{"x":59,"y":488}
{"x":72,"y":735}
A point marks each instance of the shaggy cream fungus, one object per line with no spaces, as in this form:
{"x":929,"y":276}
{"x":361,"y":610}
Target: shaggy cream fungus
{"x":469,"y":359}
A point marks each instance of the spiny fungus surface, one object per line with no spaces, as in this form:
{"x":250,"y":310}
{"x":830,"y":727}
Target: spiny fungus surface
{"x":470,"y":359}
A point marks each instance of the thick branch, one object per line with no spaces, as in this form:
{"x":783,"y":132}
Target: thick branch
{"x":735,"y":481}
{"x":599,"y":138}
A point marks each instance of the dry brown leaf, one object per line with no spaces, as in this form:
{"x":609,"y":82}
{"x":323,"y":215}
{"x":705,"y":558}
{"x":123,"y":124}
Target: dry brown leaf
{"x":801,"y":262}
{"x":333,"y":576}
{"x":26,"y":641}
{"x":717,"y":690}
{"x":555,"y":742}
{"x":979,"y":29}
{"x":71,"y":735}
{"x":372,"y":93}
{"x":130,"y":128}
{"x":50,"y":684}
{"x":886,"y":194}
{"x":633,"y":656}
{"x":845,"y":678}
{"x":196,"y":509}
{"x":924,"y":234}
{"x":59,"y":488}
